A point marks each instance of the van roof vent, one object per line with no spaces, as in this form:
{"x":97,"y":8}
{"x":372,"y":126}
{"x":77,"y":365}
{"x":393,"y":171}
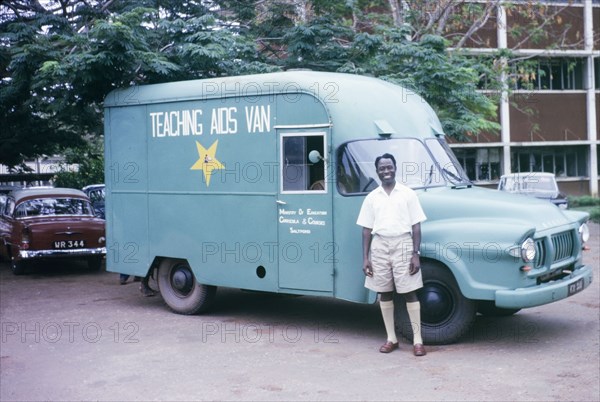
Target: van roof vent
{"x":384,"y":129}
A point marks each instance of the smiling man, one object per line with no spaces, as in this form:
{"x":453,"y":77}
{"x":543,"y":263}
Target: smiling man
{"x":391,"y":217}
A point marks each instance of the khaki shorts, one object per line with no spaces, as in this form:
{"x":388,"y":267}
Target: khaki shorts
{"x":390,"y":259}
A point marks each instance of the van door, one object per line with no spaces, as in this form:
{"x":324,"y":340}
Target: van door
{"x":306,"y":247}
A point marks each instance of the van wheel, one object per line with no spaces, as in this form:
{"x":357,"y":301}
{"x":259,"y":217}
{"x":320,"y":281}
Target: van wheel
{"x":446,"y":314}
{"x":488,"y":308}
{"x":180,"y":290}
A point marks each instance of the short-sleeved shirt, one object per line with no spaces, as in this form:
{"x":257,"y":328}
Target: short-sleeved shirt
{"x":393,"y":214}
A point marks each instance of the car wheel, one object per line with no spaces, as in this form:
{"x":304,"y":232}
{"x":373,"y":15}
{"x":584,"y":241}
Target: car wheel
{"x":446,"y":314}
{"x":180,"y":290}
{"x":94,"y":263}
{"x":17,"y":267}
{"x":488,"y":308}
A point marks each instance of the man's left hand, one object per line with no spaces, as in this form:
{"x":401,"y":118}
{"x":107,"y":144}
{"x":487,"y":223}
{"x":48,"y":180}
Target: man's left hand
{"x":415,"y":264}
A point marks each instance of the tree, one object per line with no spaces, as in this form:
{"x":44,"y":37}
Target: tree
{"x":89,"y":159}
{"x":60,"y":58}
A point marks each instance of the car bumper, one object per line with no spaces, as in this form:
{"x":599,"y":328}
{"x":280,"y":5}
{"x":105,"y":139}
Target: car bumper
{"x":546,"y":292}
{"x":28,"y":254}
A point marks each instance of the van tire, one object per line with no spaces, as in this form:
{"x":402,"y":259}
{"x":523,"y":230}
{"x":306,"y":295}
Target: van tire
{"x":488,"y":308}
{"x":446,"y":314}
{"x":180,"y":290}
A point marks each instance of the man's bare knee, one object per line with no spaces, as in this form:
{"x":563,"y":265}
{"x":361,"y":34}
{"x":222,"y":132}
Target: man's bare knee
{"x":386,"y":296}
{"x":411,"y":297}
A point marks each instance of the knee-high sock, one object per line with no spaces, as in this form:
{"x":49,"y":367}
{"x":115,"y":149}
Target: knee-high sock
{"x":387,"y":311}
{"x":414,"y":314}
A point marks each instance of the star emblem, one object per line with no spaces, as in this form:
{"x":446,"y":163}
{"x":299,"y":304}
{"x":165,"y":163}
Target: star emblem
{"x":207,"y":162}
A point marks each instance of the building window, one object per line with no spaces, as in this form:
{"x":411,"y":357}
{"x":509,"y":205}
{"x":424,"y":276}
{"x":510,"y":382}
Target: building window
{"x":598,"y":159}
{"x":563,"y":161}
{"x":597,"y":72}
{"x":480,"y":164}
{"x":549,"y":74}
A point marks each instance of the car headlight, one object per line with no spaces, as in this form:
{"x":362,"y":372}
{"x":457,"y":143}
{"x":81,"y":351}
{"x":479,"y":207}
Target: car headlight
{"x":528,"y":250}
{"x":584,"y":233}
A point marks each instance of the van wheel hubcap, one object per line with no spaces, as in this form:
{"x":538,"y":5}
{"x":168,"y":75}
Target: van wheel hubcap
{"x":437,"y":303}
{"x":182,"y":280}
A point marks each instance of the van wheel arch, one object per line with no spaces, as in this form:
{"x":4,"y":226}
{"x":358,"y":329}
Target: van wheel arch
{"x":180,"y":290}
{"x":446,"y":315}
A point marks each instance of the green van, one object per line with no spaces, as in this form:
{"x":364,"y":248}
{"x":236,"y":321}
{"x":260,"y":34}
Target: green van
{"x":255,"y":182}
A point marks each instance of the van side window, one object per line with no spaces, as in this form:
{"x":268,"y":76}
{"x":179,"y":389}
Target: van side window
{"x":298,"y":172}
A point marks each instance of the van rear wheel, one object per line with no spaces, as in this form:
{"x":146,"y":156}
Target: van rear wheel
{"x":180,"y":290}
{"x":446,"y":314}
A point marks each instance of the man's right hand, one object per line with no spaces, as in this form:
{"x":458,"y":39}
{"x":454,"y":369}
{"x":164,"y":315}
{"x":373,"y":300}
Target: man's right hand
{"x":367,"y":268}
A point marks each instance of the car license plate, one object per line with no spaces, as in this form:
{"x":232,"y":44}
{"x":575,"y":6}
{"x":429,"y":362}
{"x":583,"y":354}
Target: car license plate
{"x":68,"y":244}
{"x":575,"y":287}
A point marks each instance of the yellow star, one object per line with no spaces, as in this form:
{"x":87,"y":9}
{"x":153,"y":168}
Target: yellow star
{"x":207,"y":161}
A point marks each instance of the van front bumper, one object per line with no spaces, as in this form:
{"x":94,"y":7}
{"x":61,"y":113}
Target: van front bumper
{"x":545,"y":292}
{"x":27,"y":254}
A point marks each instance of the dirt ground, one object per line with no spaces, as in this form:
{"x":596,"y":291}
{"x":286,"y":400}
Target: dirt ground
{"x":71,"y":334}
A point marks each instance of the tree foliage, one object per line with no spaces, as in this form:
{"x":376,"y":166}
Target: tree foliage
{"x":60,"y":58}
{"x":89,"y":160}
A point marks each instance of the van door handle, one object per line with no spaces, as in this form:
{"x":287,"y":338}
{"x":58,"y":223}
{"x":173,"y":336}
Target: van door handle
{"x":281,"y":202}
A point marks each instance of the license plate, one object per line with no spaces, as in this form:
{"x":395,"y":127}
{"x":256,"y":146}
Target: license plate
{"x":575,"y":287}
{"x":68,"y":244}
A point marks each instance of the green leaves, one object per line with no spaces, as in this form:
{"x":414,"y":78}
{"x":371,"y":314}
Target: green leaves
{"x":58,"y":65}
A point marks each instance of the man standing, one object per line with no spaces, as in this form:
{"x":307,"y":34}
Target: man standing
{"x":391,"y":217}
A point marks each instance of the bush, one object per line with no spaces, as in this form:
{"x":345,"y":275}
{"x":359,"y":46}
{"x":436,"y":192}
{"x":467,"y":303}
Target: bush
{"x":584,"y":201}
{"x":594,"y":214}
{"x":90,"y":160}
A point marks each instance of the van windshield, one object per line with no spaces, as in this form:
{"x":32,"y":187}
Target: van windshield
{"x":420,"y":164}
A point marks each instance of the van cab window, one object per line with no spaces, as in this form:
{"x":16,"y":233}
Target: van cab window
{"x":419,"y":164}
{"x":303,"y":166}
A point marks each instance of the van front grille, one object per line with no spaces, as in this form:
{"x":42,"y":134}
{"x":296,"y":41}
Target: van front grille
{"x":563,"y":246}
{"x":540,"y":253}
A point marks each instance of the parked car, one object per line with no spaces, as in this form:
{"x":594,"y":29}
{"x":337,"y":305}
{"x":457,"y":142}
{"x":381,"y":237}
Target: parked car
{"x":96,"y":194}
{"x":536,"y":184}
{"x":5,"y":189}
{"x":40,"y":223}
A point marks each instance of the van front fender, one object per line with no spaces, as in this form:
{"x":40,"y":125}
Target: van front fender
{"x":476,"y":252}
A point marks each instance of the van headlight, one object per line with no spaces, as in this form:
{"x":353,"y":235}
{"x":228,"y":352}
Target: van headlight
{"x":526,"y":251}
{"x":584,"y":233}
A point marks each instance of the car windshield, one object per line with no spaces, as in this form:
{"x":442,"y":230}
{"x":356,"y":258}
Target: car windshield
{"x":529,"y":184}
{"x":53,"y":207}
{"x":96,"y":195}
{"x":419,"y":164}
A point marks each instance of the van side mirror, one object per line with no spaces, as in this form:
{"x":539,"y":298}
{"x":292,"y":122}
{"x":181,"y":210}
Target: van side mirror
{"x":315,"y":156}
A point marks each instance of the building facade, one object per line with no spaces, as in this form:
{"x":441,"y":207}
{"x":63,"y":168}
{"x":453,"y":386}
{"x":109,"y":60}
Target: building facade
{"x":551,"y":122}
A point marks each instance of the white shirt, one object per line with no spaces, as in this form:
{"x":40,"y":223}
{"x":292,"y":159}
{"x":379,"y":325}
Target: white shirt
{"x":391,"y":215}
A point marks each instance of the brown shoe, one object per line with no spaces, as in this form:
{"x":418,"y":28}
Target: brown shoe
{"x":388,"y":347}
{"x":419,"y":349}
